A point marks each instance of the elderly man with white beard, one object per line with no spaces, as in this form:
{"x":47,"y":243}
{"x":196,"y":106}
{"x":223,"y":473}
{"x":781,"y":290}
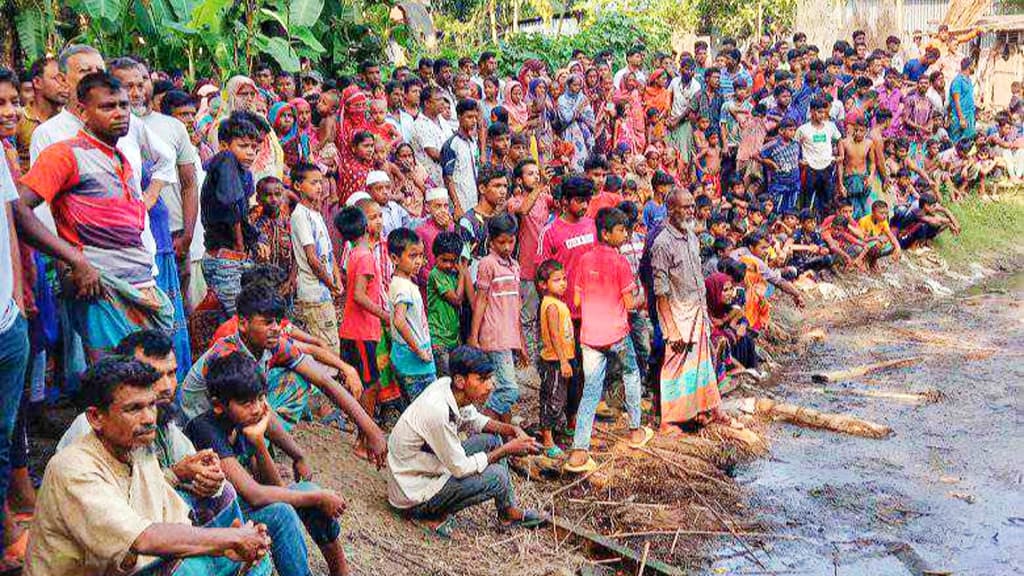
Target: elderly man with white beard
{"x":689,"y":385}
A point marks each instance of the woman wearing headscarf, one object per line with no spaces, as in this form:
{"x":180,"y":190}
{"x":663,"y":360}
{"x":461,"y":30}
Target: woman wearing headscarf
{"x":515,"y":105}
{"x":630,"y":117}
{"x":352,"y":116}
{"x":657,"y":94}
{"x":599,"y":93}
{"x":577,"y":118}
{"x":730,"y":338}
{"x":541,"y":114}
{"x":410,"y":180}
{"x":304,"y":122}
{"x":241,"y":94}
{"x":530,"y":70}
{"x":286,"y":127}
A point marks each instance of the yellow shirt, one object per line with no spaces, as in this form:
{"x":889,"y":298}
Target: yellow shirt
{"x":547,"y":350}
{"x":92,"y":507}
{"x":872,"y":229}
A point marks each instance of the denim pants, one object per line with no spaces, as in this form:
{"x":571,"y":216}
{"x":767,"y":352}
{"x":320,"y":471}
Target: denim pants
{"x":414,"y":385}
{"x":594,"y":363}
{"x":13,"y":361}
{"x":224,"y":277}
{"x":284,"y":522}
{"x":217,"y":511}
{"x":506,"y":390}
{"x":528,"y":318}
{"x":461,"y":493}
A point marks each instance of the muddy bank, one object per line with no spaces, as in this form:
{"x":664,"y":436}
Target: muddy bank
{"x":944,"y":492}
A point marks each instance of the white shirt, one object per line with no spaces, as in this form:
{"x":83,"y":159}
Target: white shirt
{"x":430,"y":133}
{"x":425,"y":450}
{"x":640,"y":75}
{"x":309,"y":229}
{"x":405,"y":124}
{"x":816,"y":143}
{"x":8,"y":306}
{"x":174,"y":133}
{"x":938,"y":100}
{"x":682,"y":96}
{"x":458,"y":162}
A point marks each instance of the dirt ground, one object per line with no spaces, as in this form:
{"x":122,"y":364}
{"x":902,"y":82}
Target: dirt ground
{"x":677,"y":485}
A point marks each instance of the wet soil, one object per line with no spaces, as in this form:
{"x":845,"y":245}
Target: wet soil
{"x":944,"y":492}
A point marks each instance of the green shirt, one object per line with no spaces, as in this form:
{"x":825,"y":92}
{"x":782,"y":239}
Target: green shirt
{"x":442,"y":317}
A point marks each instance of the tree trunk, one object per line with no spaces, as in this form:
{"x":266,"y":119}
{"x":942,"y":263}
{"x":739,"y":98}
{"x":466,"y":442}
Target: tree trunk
{"x":491,"y":13}
{"x":515,"y":15}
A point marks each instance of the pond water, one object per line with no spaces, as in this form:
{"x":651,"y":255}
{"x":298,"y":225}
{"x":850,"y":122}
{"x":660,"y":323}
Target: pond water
{"x":946,"y":490}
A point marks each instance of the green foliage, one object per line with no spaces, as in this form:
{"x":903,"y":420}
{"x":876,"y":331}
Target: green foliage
{"x":616,"y":32}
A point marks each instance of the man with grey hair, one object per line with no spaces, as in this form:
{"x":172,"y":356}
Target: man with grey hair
{"x":181,"y":198}
{"x":689,"y":385}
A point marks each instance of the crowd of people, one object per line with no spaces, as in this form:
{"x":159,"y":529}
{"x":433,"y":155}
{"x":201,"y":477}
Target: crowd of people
{"x":202,"y":267}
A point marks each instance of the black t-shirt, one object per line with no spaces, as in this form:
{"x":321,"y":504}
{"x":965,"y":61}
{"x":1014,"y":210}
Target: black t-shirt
{"x":208,"y":431}
{"x":224,"y":200}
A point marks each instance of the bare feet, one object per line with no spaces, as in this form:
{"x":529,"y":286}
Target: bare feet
{"x":577,"y":458}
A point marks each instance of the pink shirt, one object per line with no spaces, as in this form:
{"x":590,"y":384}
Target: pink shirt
{"x":603,"y":276}
{"x":499,"y":329}
{"x":358,"y":323}
{"x":531,"y":225}
{"x":566,"y":243}
{"x":428,"y":231}
{"x":603,"y":200}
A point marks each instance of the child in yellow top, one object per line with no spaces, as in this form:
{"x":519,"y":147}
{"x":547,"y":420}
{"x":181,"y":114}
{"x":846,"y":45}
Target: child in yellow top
{"x":875,"y":227}
{"x":557,"y":353}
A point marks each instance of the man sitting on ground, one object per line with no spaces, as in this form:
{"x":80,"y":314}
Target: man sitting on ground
{"x":260,"y":311}
{"x":105,"y":506}
{"x":432,"y":473}
{"x":197,"y":476}
{"x":235,"y":429}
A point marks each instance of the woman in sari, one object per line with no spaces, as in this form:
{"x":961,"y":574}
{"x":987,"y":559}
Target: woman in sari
{"x":577,"y":118}
{"x":541,"y":113}
{"x":530,"y":71}
{"x":241,"y":94}
{"x":410,"y":181}
{"x":656,"y":94}
{"x":731,"y":341}
{"x":304,"y":121}
{"x":356,"y":163}
{"x":630,"y":126}
{"x":282,"y":119}
{"x":598,"y":94}
{"x":515,"y":105}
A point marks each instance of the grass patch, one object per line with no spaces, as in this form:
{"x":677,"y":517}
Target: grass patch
{"x":990,"y":230}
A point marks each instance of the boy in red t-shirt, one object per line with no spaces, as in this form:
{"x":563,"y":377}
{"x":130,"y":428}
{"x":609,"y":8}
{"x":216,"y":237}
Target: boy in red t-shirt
{"x":566,"y":240}
{"x":604,"y":292}
{"x":364,"y":304}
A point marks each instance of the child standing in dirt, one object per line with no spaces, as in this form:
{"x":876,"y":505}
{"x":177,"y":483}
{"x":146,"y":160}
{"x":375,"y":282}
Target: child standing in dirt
{"x":496,"y":328}
{"x":856,"y":167}
{"x":558,"y":360}
{"x":364,"y":305}
{"x":410,"y":336}
{"x":448,"y":288}
{"x":604,"y":291}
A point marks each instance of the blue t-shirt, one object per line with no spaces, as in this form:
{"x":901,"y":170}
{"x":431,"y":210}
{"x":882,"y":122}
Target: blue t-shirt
{"x":654,"y":214}
{"x":914,"y":69}
{"x":404,"y":293}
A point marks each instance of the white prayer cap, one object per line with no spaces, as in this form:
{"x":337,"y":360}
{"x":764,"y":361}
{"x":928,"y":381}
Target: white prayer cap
{"x":356,"y":197}
{"x":436,"y":194}
{"x":377,"y":177}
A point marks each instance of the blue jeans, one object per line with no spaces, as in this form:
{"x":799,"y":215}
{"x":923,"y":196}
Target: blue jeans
{"x":461,"y":493}
{"x":413,"y":386}
{"x":594,"y":363}
{"x":217,"y":511}
{"x":506,"y":391}
{"x":284,"y":522}
{"x":13,"y":361}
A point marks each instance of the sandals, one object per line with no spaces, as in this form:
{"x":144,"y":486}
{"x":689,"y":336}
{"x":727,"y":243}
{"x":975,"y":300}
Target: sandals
{"x":588,"y":466}
{"x":648,"y":435}
{"x":443,"y":530}
{"x":530,"y":519}
{"x":554,"y":452}
{"x":336,"y":419}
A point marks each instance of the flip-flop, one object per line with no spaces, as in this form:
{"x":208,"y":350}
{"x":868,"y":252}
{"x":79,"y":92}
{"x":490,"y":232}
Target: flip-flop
{"x":588,"y":466}
{"x":16,"y":550}
{"x":648,"y":434}
{"x":443,"y":530}
{"x":554,"y":452}
{"x":530,"y":519}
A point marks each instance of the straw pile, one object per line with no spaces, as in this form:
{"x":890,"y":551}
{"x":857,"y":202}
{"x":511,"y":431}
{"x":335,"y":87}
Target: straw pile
{"x":962,"y":14}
